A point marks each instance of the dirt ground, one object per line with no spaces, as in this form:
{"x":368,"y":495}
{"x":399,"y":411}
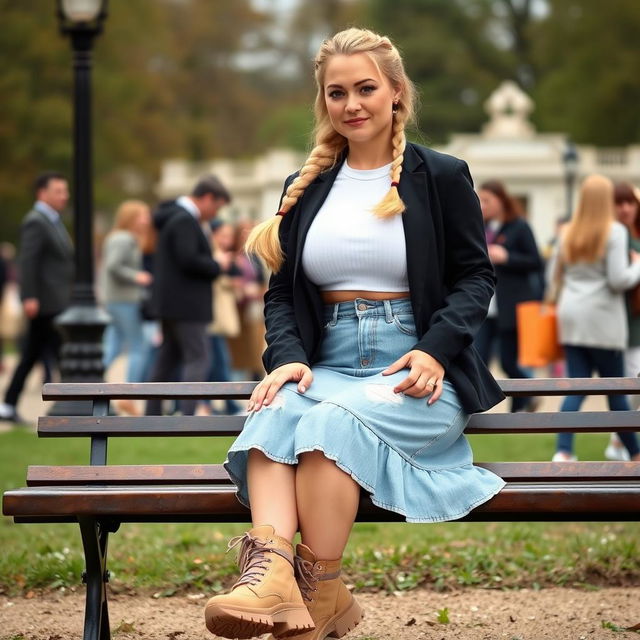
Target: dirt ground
{"x":553,"y":614}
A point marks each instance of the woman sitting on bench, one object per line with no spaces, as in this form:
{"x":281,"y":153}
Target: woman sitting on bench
{"x":380,"y":282}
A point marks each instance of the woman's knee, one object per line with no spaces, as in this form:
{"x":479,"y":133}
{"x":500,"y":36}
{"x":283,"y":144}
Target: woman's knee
{"x":256,"y":456}
{"x":257,"y":459}
{"x":315,"y":458}
{"x":313,"y":465}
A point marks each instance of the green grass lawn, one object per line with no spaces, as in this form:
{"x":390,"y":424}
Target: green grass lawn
{"x":170,"y":558}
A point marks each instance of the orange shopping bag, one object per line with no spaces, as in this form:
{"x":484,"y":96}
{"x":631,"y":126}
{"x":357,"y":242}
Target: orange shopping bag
{"x":538,"y":343}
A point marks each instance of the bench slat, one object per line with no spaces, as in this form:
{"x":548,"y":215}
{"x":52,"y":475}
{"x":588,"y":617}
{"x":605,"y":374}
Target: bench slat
{"x":580,"y":500}
{"x":215,"y":473}
{"x":569,"y":386}
{"x":554,"y":422}
{"x":124,"y":426}
{"x":146,"y":390}
{"x":239,"y":390}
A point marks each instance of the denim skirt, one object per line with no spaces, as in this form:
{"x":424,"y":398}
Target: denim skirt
{"x":412,"y":457}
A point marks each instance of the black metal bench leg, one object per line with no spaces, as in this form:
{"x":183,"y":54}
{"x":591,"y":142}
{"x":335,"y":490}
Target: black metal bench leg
{"x":105,"y":631}
{"x":96,"y":615}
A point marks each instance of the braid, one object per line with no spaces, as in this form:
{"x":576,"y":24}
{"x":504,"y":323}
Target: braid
{"x":264,"y":240}
{"x":391,"y":204}
{"x":322,"y":156}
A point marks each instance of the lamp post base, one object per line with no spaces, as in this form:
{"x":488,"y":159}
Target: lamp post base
{"x":82,"y":327}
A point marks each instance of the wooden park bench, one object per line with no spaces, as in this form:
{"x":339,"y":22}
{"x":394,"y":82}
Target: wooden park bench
{"x":100,"y":497}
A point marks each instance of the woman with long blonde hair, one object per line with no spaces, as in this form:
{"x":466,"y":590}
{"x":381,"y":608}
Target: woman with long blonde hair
{"x":381,"y":280}
{"x":124,"y":280}
{"x":593,"y":271}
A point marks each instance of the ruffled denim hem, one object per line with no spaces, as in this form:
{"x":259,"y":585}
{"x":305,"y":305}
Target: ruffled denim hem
{"x":395,"y":482}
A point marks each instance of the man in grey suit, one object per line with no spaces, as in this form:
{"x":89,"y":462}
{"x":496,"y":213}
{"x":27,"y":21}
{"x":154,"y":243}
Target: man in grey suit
{"x":46,"y":266}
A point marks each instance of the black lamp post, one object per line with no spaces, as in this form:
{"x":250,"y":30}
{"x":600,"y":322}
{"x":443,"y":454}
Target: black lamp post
{"x":83,"y":323}
{"x":570,"y":159}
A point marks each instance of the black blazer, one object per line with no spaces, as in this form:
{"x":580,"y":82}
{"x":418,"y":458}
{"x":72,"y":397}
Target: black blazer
{"x":46,"y":263}
{"x":451,"y":279}
{"x":520,"y":278}
{"x":183,"y":267}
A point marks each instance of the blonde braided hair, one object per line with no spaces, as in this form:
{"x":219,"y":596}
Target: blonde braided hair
{"x":263,"y":239}
{"x":392,"y":204}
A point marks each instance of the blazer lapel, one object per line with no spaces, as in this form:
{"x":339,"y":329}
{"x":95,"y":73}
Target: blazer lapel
{"x":66,"y":238}
{"x":418,"y":225}
{"x":59,"y":233}
{"x":502,"y":233}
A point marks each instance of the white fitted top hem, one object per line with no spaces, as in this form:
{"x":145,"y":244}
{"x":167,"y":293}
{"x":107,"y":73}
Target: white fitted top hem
{"x":347,"y":246}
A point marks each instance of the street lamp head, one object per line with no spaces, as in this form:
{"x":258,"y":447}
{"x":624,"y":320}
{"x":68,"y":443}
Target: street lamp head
{"x":570,"y":159}
{"x":80,"y":10}
{"x":82,"y":14}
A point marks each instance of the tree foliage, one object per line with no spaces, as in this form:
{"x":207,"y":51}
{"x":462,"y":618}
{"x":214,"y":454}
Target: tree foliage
{"x":589,"y":85}
{"x":34,"y":109}
{"x":199,"y":79}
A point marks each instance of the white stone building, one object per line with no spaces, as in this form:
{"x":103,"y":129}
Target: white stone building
{"x":508,"y":148}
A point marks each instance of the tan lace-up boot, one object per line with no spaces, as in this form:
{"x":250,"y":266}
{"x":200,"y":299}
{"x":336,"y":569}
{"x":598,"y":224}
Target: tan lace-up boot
{"x":333,"y":608}
{"x":266,"y":598}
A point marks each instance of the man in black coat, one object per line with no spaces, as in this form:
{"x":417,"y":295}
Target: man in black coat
{"x":184,"y":270}
{"x":46,"y":268}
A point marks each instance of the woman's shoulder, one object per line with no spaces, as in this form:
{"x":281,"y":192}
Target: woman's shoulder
{"x":618,"y":233}
{"x":437,"y":161}
{"x":121,"y":235}
{"x":119,"y":238}
{"x":290,"y":178}
{"x":519,"y":223}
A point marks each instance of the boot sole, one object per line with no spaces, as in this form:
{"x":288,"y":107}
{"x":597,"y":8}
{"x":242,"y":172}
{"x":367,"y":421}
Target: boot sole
{"x":283,"y":621}
{"x":344,"y":622}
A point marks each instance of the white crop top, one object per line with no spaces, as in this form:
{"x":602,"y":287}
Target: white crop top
{"x":347,"y":246}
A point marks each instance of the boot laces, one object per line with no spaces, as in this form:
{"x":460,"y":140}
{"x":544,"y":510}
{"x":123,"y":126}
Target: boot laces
{"x":307,"y":580}
{"x":251,"y":558}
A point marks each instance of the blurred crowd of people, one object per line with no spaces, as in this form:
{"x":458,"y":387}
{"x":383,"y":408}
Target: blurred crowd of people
{"x":592,"y":271}
{"x":186,"y":301}
{"x":184,"y":298}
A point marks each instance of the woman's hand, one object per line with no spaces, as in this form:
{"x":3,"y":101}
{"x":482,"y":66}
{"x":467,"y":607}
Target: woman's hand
{"x":497,"y":254}
{"x":265,"y":391}
{"x":144,"y":278}
{"x":31,"y":307}
{"x":224,"y":259}
{"x":425,"y":376}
